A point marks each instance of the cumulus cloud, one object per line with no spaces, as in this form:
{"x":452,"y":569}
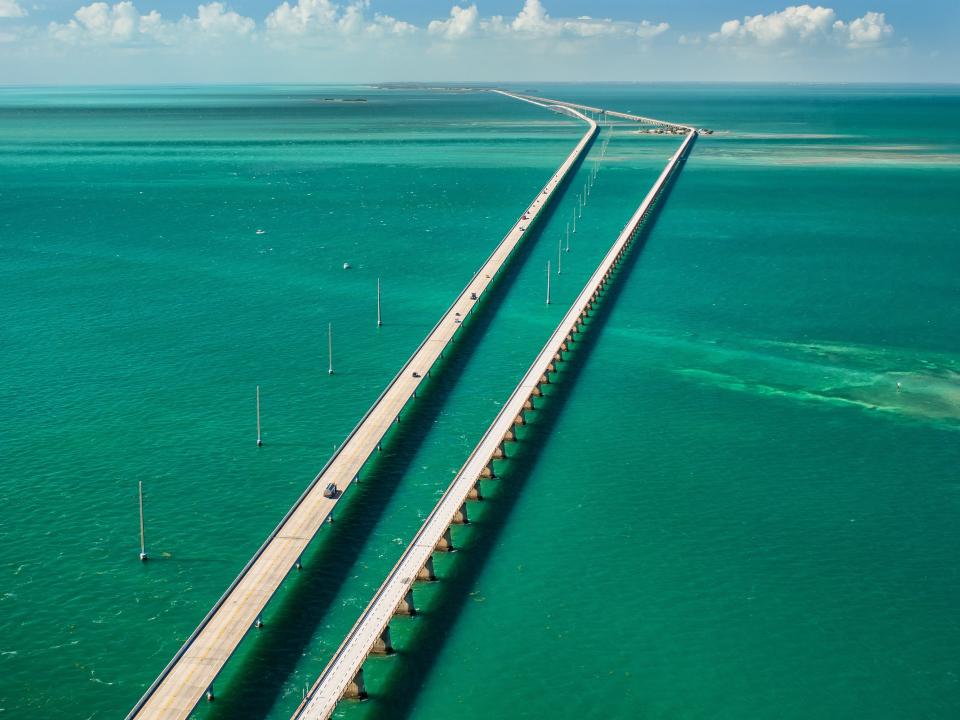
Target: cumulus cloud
{"x":463,"y":22}
{"x":326,"y":18}
{"x":216,"y":20}
{"x":123,"y":24}
{"x":799,"y":24}
{"x":533,"y":21}
{"x":11,"y":9}
{"x":871,"y":29}
{"x":100,"y":23}
{"x":120,"y":23}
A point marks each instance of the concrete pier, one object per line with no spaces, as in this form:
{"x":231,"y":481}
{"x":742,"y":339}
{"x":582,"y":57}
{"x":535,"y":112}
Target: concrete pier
{"x":382,"y":645}
{"x":356,"y":690}
{"x":427,"y":573}
{"x":406,"y":605}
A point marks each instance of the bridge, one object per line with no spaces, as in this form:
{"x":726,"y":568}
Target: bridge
{"x":343,"y":676}
{"x":191,"y":673}
{"x":600,"y":111}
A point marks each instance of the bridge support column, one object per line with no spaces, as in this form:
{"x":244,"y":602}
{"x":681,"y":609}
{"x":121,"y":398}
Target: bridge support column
{"x":426,"y":573}
{"x":406,"y":606}
{"x":299,"y":564}
{"x":460,"y":517}
{"x":499,"y":454}
{"x":356,"y":690}
{"x":475,"y":492}
{"x":210,"y":694}
{"x":536,"y":392}
{"x":382,"y":645}
{"x":487,"y":471}
{"x":544,"y":378}
{"x":528,"y":404}
{"x":445,"y":544}
{"x":259,"y":622}
{"x":520,"y":419}
{"x":509,"y":436}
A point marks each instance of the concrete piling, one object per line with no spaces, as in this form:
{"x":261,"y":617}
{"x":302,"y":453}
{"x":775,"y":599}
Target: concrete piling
{"x":356,"y":690}
{"x":406,"y":606}
{"x":445,"y":544}
{"x":460,"y":516}
{"x":426,"y":573}
{"x":383,"y":645}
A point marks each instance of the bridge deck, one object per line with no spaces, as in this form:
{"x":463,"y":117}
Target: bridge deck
{"x":591,"y":108}
{"x":195,"y":666}
{"x":348,"y":660}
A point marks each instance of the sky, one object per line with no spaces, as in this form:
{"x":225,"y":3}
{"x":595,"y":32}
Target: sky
{"x":348,"y":41}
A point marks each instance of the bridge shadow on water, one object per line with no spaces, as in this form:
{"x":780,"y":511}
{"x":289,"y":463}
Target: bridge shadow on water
{"x":402,"y":685}
{"x":268,"y":656}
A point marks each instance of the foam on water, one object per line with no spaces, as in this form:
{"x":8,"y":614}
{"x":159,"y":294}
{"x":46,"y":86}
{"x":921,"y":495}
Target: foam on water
{"x":892,"y":380}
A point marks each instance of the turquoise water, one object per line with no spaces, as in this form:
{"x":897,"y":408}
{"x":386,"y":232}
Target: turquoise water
{"x":726,"y":508}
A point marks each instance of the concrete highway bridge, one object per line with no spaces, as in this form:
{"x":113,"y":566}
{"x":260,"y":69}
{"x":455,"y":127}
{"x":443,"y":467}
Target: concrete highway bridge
{"x":190,"y":674}
{"x":343,"y":676}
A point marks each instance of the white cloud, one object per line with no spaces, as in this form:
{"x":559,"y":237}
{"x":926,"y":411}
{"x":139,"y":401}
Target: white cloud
{"x":303,"y":17}
{"x":100,"y":23}
{"x":799,"y":24}
{"x":463,"y":22}
{"x":533,"y":21}
{"x":123,"y":24}
{"x":871,"y":29}
{"x":387,"y":25}
{"x":325,"y":18}
{"x":11,"y":9}
{"x":216,"y":20}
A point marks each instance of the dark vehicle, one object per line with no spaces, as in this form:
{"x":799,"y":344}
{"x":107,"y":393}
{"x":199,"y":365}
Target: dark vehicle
{"x":331,"y":490}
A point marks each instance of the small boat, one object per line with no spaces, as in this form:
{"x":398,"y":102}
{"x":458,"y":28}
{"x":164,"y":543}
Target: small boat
{"x":346,"y":266}
{"x":261,"y":232}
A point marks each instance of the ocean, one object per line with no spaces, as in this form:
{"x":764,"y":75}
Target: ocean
{"x":739,"y":499}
